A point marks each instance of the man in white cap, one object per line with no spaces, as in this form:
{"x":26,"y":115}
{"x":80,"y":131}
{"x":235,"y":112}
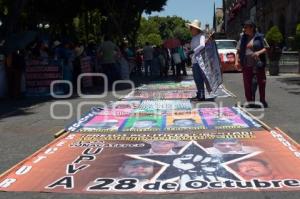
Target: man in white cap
{"x":197,"y":44}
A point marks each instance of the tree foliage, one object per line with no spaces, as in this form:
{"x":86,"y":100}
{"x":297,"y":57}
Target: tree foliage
{"x":297,"y":38}
{"x":88,"y":18}
{"x":165,"y":27}
{"x":274,"y":36}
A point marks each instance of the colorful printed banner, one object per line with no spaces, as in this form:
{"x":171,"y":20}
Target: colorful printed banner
{"x":183,"y":85}
{"x":160,"y":163}
{"x":165,"y":118}
{"x":180,"y":93}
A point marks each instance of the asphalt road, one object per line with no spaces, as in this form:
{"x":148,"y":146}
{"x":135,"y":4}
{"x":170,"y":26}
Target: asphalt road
{"x":26,"y":126}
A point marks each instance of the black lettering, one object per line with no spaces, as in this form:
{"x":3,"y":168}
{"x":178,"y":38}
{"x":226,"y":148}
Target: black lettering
{"x":152,"y":186}
{"x":292,"y":183}
{"x":101,"y":184}
{"x":229,"y":184}
{"x":244,"y":184}
{"x":262,"y":184}
{"x":89,"y":151}
{"x":215,"y":185}
{"x":169,"y":186}
{"x":196,"y":184}
{"x":71,"y":168}
{"x":126,"y":184}
{"x":276,"y":183}
{"x":84,"y":158}
{"x":67,"y":182}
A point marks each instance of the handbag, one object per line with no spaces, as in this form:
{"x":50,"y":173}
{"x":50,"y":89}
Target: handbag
{"x":259,"y":64}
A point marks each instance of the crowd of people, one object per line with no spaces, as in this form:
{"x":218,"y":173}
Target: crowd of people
{"x":116,"y":61}
{"x":120,"y":61}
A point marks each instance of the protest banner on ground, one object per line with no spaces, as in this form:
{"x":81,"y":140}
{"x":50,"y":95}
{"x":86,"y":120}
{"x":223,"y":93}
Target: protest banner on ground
{"x":162,"y":116}
{"x":160,"y":163}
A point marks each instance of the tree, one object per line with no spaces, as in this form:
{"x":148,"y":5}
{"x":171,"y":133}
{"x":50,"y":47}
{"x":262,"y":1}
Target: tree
{"x":274,"y":38}
{"x":166,"y":27}
{"x":117,"y":18}
{"x":297,"y":44}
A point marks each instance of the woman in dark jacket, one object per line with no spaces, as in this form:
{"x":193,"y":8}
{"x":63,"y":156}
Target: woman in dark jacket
{"x":252,"y":54}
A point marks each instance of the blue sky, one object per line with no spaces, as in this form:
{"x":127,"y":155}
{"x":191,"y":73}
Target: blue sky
{"x":190,"y":10}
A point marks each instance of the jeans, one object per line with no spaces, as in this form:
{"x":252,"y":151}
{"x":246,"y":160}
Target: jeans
{"x":111,"y":71}
{"x":147,"y":65}
{"x":248,"y":81}
{"x":199,"y":80}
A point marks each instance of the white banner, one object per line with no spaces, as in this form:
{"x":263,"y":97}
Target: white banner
{"x":209,"y":63}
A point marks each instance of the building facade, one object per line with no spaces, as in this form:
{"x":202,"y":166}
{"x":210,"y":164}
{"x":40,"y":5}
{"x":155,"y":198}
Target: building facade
{"x":265,"y":13}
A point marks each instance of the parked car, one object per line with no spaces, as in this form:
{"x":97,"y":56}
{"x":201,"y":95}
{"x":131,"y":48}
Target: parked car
{"x":227,"y":52}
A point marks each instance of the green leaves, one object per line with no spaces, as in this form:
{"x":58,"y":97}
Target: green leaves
{"x":163,"y":28}
{"x":297,"y":38}
{"x":274,"y":36}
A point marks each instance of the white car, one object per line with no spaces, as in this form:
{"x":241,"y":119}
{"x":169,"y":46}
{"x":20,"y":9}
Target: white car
{"x":227,"y":52}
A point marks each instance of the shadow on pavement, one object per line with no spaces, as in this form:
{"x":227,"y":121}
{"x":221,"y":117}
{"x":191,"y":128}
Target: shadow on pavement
{"x":9,"y":107}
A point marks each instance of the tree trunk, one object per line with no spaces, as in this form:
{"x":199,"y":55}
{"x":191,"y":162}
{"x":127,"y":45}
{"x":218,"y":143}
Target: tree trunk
{"x":135,"y":31}
{"x":86,"y":25}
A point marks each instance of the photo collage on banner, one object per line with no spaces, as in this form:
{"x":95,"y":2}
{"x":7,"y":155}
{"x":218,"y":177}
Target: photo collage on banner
{"x":162,"y":116}
{"x":155,"y":163}
{"x":173,"y":90}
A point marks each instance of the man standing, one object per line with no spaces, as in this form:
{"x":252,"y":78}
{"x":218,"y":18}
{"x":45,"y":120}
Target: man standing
{"x":108,"y":53}
{"x":148,"y":57}
{"x":197,"y":44}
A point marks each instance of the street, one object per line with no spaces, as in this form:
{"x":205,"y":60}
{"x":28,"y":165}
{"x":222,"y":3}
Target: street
{"x":26,"y":127}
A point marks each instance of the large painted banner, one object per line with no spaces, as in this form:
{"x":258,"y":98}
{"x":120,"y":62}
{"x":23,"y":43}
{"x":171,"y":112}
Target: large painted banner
{"x":162,"y":116}
{"x":183,"y":85}
{"x":221,"y":92}
{"x":160,"y":163}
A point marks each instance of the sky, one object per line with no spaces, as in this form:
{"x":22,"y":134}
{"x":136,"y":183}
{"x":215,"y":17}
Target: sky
{"x":190,"y":10}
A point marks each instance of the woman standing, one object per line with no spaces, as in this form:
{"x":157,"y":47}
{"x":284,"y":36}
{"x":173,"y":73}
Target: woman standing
{"x":197,"y":44}
{"x":252,"y":48}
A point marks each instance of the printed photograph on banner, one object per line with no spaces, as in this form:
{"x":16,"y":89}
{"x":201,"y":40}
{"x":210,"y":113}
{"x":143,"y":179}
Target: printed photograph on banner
{"x":139,"y":95}
{"x":104,"y":123}
{"x":166,"y":105}
{"x":223,"y":118}
{"x":178,"y":94}
{"x":242,"y":160}
{"x":183,"y":85}
{"x":144,"y":123}
{"x":132,"y":104}
{"x":184,"y":121}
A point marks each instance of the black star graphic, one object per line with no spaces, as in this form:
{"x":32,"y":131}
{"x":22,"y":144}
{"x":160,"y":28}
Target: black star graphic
{"x":194,"y":161}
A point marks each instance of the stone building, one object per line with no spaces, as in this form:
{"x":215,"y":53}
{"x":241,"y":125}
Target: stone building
{"x":266,"y":13}
{"x":219,"y":19}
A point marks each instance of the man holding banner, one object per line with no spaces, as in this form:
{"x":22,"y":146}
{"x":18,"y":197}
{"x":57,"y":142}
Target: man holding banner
{"x":205,"y":60}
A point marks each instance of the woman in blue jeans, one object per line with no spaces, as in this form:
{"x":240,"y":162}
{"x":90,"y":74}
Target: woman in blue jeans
{"x":197,"y":44}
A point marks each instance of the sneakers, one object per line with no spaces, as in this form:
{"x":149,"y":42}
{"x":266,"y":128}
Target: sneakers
{"x":265,"y":104}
